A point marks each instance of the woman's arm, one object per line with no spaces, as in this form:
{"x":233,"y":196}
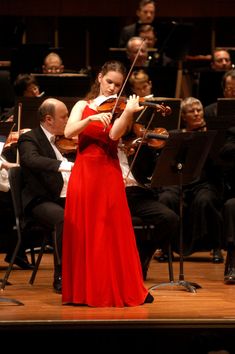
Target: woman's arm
{"x":122,"y":124}
{"x":76,"y":124}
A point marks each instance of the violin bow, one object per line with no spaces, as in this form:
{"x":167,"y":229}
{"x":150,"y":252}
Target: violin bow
{"x":127,"y":77}
{"x":139,"y":146}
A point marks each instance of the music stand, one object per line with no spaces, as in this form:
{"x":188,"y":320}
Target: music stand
{"x":30,"y":105}
{"x":180,"y":163}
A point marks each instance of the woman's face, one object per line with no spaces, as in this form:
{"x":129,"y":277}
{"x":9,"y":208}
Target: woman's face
{"x":32,"y":91}
{"x":110,"y":83}
{"x":142,"y":88}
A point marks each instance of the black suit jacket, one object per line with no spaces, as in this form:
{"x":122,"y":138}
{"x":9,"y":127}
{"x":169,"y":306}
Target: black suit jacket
{"x":127,"y":32}
{"x":40,"y":168}
{"x":210,"y":111}
{"x":227,"y":154}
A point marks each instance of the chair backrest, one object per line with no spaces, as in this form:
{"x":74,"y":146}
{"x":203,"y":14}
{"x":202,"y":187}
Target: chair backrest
{"x":15,"y":180}
{"x":16,"y":184}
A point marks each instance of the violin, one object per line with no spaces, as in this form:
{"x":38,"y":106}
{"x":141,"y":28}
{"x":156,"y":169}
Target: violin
{"x":14,"y":136}
{"x":155,"y":138}
{"x":120,"y":104}
{"x":66,"y":145}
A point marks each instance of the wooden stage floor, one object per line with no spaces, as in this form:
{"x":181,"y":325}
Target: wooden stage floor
{"x":177,"y":319}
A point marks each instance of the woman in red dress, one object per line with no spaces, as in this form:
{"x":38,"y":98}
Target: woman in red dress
{"x":100,"y":264}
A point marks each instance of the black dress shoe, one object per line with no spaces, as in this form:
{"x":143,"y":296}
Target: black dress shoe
{"x":217,"y":256}
{"x":163,"y":257}
{"x":23,"y":263}
{"x":149,"y":299}
{"x":57,"y":284}
{"x":229,"y":269}
{"x":229,"y":277}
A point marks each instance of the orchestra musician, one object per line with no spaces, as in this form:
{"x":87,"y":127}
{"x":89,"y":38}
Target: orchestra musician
{"x":140,"y":83}
{"x":144,"y":203}
{"x":46,"y":173}
{"x":52,"y":64}
{"x":146,"y":15}
{"x":202,"y":198}
{"x":25,"y":85}
{"x":221,"y":60}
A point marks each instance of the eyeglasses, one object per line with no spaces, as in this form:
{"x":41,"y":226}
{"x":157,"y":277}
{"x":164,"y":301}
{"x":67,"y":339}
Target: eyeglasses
{"x":220,"y":60}
{"x":230,"y":89}
{"x":53,"y":69}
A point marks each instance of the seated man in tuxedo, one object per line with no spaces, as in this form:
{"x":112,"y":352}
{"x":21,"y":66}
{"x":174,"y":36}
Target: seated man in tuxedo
{"x":46,"y":173}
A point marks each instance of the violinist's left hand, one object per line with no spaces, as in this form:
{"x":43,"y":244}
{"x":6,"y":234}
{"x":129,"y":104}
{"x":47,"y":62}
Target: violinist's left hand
{"x":133,"y":104}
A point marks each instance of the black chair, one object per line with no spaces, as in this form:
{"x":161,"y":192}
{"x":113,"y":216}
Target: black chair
{"x":16,"y":183}
{"x":40,"y":254}
{"x":146,"y":228}
{"x":15,"y":186}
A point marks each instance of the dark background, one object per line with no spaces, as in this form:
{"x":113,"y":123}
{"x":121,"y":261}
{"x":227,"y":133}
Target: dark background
{"x":83,"y":31}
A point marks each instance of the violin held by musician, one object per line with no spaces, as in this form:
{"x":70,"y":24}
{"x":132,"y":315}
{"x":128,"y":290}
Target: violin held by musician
{"x":155,"y":138}
{"x":115,"y":105}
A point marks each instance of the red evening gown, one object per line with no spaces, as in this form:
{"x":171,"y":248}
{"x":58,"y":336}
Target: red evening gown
{"x":100,"y":264}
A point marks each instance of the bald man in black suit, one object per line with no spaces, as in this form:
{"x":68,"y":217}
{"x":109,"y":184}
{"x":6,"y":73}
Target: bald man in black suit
{"x":46,"y":173}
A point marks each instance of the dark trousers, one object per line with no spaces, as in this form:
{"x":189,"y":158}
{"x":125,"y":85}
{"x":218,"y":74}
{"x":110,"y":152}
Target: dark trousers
{"x":51,"y":215}
{"x":229,"y":221}
{"x":202,"y":217}
{"x":144,"y":203}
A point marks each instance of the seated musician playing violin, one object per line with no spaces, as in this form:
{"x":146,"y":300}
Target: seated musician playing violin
{"x":143,"y":201}
{"x":202,"y":198}
{"x":46,"y":173}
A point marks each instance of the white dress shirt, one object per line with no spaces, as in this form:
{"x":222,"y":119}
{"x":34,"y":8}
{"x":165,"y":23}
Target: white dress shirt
{"x":65,"y":166}
{"x":128,"y":177}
